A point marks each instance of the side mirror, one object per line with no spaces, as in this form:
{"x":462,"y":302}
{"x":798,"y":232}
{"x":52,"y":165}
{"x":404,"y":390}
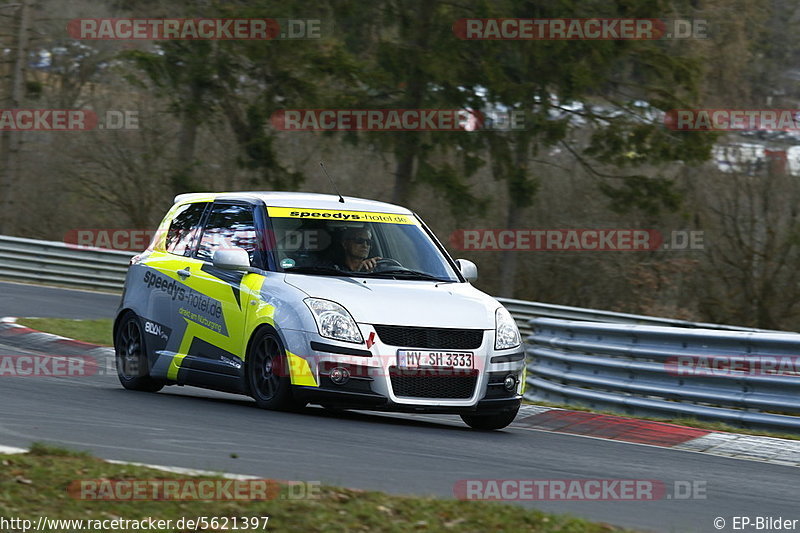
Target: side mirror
{"x":232,"y":259}
{"x":468,"y":269}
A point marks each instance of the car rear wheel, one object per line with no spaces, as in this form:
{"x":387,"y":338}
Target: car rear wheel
{"x":133,"y":369}
{"x":490,"y":422}
{"x":268,"y":373}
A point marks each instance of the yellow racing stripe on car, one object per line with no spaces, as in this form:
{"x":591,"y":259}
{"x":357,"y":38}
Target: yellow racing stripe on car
{"x":299,"y":371}
{"x":175,"y":366}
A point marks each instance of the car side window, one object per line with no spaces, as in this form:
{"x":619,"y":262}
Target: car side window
{"x":184,"y":229}
{"x":228,"y":225}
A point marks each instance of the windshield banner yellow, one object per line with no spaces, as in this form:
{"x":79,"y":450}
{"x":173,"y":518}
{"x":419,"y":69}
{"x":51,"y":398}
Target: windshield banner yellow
{"x":331,"y":214}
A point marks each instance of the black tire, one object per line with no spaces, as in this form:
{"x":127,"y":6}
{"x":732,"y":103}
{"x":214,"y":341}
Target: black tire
{"x":491,"y":422}
{"x":268,"y":378}
{"x":133,"y":368}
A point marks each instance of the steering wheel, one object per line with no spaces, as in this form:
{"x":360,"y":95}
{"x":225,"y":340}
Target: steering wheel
{"x":386,"y":264}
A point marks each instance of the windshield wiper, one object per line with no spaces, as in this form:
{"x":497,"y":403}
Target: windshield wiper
{"x":410,"y":273}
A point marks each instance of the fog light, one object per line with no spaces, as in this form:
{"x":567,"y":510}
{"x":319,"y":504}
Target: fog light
{"x":510,"y":383}
{"x":339,"y":375}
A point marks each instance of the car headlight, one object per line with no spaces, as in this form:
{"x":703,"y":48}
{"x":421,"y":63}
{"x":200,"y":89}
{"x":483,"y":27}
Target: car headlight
{"x":333,"y":320}
{"x":506,"y":334}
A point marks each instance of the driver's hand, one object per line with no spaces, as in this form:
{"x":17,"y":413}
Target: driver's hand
{"x":369,"y":264}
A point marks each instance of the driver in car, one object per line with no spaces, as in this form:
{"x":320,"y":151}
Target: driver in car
{"x":357,"y":243}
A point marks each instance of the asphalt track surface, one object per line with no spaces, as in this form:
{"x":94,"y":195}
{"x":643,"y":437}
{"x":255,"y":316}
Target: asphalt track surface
{"x":21,"y":300}
{"x":420,"y":455}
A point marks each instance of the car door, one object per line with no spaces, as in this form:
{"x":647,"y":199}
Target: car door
{"x":215,"y":307}
{"x":162,"y":284}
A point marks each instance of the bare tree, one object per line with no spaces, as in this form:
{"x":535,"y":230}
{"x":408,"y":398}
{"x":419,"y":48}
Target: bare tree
{"x":9,"y":140}
{"x":753,"y":225}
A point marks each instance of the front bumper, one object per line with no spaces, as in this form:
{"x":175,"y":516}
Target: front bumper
{"x":375,"y":402}
{"x":375,"y":382}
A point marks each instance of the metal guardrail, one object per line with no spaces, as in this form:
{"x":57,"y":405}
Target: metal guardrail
{"x":524,"y":311}
{"x":636,"y":369}
{"x":62,"y":264}
{"x":601,"y":359}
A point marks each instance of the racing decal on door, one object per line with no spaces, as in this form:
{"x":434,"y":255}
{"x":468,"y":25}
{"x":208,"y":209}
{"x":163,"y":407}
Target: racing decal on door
{"x":173,"y":287}
{"x":196,"y":307}
{"x":205,"y":311}
{"x":231,"y":277}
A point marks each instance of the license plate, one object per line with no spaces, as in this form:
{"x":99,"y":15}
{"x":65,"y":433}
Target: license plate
{"x":425,"y":359}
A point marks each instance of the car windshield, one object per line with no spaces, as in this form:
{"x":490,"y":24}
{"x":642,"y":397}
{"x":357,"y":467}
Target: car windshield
{"x":355,"y":243}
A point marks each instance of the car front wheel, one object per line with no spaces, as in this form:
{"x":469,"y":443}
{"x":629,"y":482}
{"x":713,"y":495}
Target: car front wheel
{"x":268,"y":372}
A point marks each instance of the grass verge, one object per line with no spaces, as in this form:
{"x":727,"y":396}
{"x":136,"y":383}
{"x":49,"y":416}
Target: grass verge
{"x":35,"y":484}
{"x":690,"y":422}
{"x":93,"y":331}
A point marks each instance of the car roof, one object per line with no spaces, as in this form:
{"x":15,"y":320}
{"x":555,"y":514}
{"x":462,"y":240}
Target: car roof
{"x":298,"y":199}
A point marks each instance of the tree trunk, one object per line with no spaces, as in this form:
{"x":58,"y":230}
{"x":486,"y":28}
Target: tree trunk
{"x":404,"y":170}
{"x":187,"y":140}
{"x":10,"y":140}
{"x":516,"y":210}
{"x":509,"y":258}
{"x":406,"y":148}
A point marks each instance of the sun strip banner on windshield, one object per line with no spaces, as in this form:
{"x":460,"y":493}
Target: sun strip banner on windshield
{"x":334,"y":214}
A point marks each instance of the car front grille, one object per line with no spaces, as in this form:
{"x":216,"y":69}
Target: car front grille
{"x":429,"y":383}
{"x":433,"y":338}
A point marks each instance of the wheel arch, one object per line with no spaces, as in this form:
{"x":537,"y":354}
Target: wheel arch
{"x":122,"y":312}
{"x":247,"y":359}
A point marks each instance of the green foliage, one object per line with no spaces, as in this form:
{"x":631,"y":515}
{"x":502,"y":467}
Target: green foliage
{"x":540,"y":77}
{"x":41,"y":449}
{"x":404,"y":54}
{"x":629,"y":144}
{"x":448,"y":181}
{"x":647,"y":194}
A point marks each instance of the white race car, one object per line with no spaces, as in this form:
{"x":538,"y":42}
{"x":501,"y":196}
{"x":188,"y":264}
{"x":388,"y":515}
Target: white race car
{"x":296,"y":298}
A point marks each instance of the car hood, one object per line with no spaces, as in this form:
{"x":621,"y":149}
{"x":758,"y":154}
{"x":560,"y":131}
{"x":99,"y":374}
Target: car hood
{"x":403,"y":302}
